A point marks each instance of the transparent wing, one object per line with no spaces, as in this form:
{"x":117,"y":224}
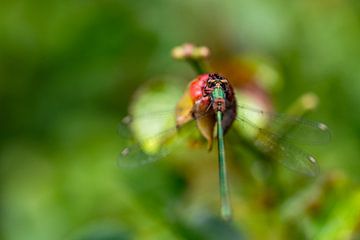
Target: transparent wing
{"x":290,"y":128}
{"x":136,"y":152}
{"x":148,"y":133}
{"x":287,"y":154}
{"x":153,"y":142}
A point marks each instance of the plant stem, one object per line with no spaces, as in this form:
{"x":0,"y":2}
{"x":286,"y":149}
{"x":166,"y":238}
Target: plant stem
{"x":198,"y":65}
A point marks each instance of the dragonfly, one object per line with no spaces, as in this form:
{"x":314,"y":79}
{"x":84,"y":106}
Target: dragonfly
{"x":210,"y":102}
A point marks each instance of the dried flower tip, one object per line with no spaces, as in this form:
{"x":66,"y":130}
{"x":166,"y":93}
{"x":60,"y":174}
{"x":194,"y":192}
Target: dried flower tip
{"x":202,"y":52}
{"x":177,"y":53}
{"x":190,"y":51}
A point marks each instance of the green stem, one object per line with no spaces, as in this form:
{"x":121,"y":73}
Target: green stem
{"x":199,"y":65}
{"x":224,"y":186}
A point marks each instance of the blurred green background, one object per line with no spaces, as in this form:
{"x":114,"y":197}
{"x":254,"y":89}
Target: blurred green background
{"x":68,"y":70}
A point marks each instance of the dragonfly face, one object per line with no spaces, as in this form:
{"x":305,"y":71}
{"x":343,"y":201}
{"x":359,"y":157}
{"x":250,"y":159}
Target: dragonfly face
{"x":216,"y":80}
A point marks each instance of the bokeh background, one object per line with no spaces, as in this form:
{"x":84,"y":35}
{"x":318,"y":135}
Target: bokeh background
{"x":68,"y":71}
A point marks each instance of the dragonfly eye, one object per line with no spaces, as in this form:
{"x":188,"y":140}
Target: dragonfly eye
{"x":211,"y":82}
{"x":224,"y":81}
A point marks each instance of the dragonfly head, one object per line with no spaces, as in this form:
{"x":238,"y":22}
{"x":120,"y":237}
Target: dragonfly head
{"x":216,"y":81}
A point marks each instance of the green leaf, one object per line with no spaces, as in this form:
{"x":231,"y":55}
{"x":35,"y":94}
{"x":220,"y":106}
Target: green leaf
{"x":343,"y":220}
